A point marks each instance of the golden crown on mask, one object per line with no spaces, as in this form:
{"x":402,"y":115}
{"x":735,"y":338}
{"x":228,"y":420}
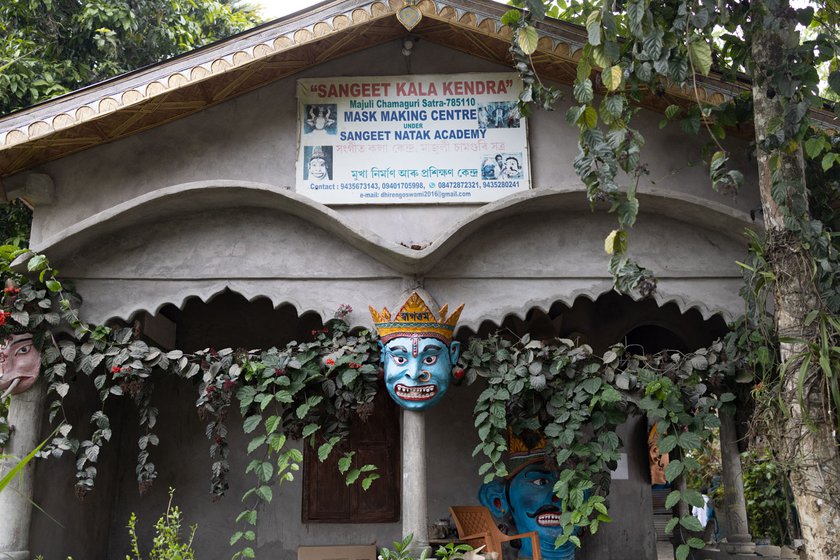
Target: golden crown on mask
{"x":415,"y":319}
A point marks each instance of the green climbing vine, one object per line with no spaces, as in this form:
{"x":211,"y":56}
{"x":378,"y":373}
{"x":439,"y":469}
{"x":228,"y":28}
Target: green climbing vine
{"x":639,"y":49}
{"x":301,"y":391}
{"x":312,"y":390}
{"x":562,"y":391}
{"x":576,"y":400}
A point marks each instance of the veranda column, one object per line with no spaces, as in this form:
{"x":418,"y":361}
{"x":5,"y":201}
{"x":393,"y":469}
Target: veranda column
{"x":414,"y":479}
{"x":738,"y":538}
{"x":25,"y":414}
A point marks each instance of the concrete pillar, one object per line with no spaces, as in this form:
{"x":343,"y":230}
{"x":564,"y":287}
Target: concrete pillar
{"x":738,"y":537}
{"x":414,"y":516}
{"x":25,"y":414}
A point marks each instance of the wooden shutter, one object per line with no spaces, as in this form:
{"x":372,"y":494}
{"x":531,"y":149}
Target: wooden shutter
{"x":326,"y":497}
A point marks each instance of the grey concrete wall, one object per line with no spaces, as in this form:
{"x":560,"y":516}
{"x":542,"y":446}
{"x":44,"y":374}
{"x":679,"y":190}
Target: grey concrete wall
{"x":253,"y":138}
{"x":506,"y":266}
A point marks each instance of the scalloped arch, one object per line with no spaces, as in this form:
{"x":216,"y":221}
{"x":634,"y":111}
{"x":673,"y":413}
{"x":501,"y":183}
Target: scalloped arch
{"x":208,"y":295}
{"x":637,"y":314}
{"x":519,"y":315}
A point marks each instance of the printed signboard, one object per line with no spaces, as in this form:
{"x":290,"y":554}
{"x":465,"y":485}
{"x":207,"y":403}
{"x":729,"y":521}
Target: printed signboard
{"x":411,"y":139}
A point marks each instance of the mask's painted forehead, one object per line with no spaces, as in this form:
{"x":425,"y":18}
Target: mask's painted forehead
{"x":416,"y":345}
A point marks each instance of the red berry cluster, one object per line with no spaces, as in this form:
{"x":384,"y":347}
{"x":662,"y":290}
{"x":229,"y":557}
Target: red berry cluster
{"x":343,"y":311}
{"x":13,"y":290}
{"x":279,"y":371}
{"x":118,"y":369}
{"x":4,"y":316}
{"x":330,"y":362}
{"x":354,"y":365}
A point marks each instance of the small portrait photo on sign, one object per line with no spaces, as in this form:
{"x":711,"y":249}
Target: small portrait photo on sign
{"x":501,"y":167}
{"x":320,"y":118}
{"x":498,"y":114}
{"x":319,"y":161}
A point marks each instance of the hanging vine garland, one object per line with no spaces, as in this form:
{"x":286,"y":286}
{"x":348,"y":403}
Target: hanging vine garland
{"x":300,"y":391}
{"x":574,"y":399}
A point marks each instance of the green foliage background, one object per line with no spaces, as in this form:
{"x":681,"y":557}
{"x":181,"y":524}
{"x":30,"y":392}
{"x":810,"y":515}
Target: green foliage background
{"x":769,"y":503}
{"x":51,"y":47}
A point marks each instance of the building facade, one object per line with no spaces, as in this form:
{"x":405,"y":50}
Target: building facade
{"x":173,"y":196}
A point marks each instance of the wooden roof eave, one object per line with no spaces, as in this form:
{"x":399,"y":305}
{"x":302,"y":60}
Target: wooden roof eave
{"x":164,"y":92}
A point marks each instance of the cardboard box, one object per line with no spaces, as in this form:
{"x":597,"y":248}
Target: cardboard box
{"x":339,"y":552}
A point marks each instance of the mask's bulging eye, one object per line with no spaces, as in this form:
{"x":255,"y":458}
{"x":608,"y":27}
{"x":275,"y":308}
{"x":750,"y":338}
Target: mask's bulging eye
{"x":400,"y":360}
{"x":539,"y":481}
{"x":23,"y":350}
{"x":430,"y":360}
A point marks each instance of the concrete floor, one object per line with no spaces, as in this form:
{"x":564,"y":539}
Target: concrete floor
{"x":664,"y":551}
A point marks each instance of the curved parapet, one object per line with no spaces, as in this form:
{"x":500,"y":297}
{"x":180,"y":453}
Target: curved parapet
{"x":189,"y":198}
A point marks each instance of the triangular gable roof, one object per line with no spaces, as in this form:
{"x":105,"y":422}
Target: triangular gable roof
{"x":210,"y":75}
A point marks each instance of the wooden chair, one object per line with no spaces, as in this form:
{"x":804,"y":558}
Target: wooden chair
{"x":476,"y":527}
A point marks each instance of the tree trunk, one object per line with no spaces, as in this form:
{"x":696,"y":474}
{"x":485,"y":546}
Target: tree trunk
{"x":805,"y":437}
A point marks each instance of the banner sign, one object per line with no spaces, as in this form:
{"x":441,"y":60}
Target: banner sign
{"x":420,"y":139}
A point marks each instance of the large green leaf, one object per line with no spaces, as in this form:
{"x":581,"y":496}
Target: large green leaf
{"x":635,"y":16}
{"x":616,"y":242}
{"x":690,"y":440}
{"x":593,"y":28}
{"x":250,"y":423}
{"x":583,"y":91}
{"x":612,"y":77}
{"x":368,"y":480}
{"x":264,"y":471}
{"x":834,"y":81}
{"x":701,"y":55}
{"x":667,"y":443}
{"x":527,"y":38}
{"x":265,"y":493}
{"x":691,"y":523}
{"x":694,"y":498}
{"x":673,"y":470}
{"x":255,"y":443}
{"x":652,"y":44}
{"x":672,"y":499}
{"x":695,"y":542}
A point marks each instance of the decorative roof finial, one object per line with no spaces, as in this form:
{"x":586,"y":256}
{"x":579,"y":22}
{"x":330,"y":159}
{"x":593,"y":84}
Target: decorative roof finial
{"x":409,"y":15}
